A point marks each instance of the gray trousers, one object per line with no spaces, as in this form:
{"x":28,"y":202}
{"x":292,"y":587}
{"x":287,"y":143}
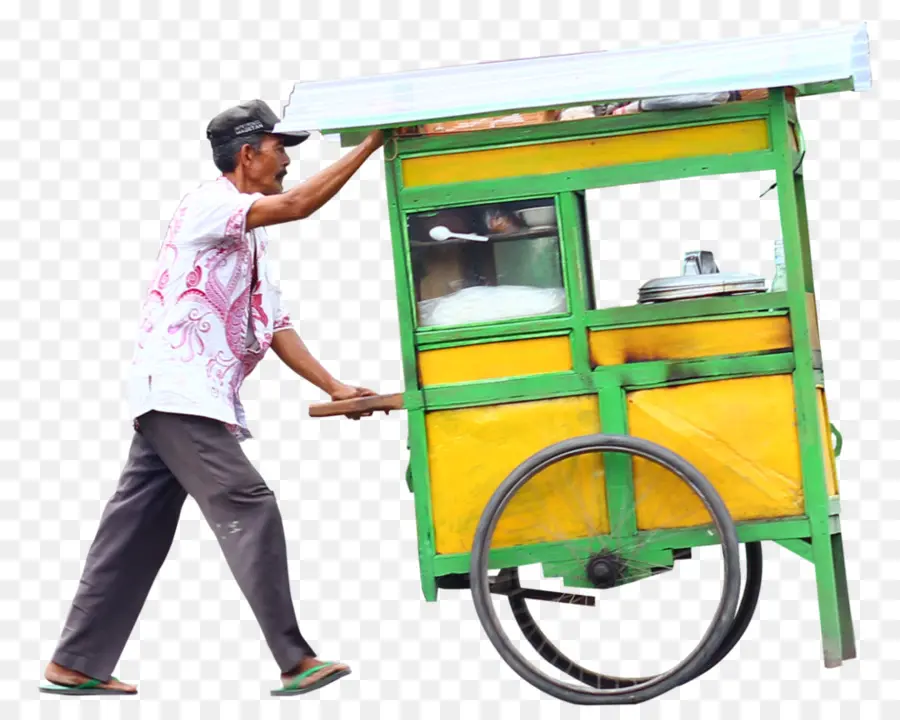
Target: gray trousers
{"x":173,"y":456}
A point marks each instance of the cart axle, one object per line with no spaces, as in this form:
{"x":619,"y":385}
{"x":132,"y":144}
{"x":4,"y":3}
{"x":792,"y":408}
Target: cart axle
{"x":507,"y":584}
{"x":502,"y":585}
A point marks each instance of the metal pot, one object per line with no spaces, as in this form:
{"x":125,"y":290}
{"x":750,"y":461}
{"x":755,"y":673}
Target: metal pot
{"x":700,"y":278}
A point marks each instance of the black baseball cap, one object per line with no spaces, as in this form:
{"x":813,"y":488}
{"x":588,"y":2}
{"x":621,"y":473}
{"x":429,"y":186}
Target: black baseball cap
{"x":249,"y":118}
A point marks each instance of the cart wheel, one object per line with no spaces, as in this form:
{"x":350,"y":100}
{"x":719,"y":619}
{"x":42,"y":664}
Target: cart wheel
{"x":618,"y":691}
{"x":547,"y":650}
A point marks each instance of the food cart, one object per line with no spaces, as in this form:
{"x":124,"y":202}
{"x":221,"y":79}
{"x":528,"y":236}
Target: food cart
{"x":603,"y":443}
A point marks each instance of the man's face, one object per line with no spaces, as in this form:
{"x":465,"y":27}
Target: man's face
{"x":264,"y":169}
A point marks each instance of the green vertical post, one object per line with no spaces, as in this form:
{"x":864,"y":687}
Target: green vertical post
{"x":417,"y":436}
{"x":405,"y":309}
{"x":610,"y":400}
{"x":801,"y":301}
{"x":418,"y":440}
{"x":848,"y":637}
{"x":575,"y":274}
{"x":617,"y":467}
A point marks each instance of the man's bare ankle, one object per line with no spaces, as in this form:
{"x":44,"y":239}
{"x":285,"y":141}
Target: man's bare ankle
{"x":56,"y":673}
{"x":58,"y":669}
{"x":305,"y":663}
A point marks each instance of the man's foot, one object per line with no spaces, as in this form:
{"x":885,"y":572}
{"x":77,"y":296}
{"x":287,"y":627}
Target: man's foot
{"x":310,"y":674}
{"x":58,"y":675}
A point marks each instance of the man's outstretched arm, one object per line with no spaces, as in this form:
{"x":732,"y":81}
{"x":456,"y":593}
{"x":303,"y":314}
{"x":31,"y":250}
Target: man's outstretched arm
{"x":303,"y":200}
{"x":292,"y":351}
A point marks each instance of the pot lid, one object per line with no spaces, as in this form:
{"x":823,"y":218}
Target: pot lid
{"x":693,"y":286}
{"x":701,"y":278}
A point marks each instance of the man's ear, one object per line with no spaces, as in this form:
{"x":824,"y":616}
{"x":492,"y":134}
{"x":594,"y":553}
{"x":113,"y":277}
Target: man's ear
{"x":246,"y":153}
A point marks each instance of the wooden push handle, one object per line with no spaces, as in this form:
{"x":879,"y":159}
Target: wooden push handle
{"x":373,"y":403}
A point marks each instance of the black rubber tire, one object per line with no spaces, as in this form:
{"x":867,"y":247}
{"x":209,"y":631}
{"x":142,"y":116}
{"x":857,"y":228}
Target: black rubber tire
{"x":547,"y":650}
{"x":747,"y":608}
{"x":646,"y":689}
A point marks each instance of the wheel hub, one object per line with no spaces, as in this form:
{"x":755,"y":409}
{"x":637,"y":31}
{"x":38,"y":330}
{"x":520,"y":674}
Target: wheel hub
{"x":604,"y":571}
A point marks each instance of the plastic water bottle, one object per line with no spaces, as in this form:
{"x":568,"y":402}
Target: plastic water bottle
{"x":779,"y":282}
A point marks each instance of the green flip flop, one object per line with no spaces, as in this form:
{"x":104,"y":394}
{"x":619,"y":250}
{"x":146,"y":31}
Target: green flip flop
{"x":293,"y":688}
{"x":89,"y":687}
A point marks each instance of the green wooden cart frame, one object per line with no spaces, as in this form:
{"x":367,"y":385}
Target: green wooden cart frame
{"x":814,"y":533}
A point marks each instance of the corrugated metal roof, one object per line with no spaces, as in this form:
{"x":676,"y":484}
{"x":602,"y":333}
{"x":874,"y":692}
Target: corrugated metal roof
{"x":806,"y":58}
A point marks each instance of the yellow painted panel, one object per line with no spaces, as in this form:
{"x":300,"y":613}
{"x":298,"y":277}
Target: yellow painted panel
{"x":813,"y":316}
{"x":690,"y":340}
{"x":740,"y":433}
{"x":488,"y":361}
{"x":831,"y":482}
{"x":472,"y":450}
{"x":583,"y":154}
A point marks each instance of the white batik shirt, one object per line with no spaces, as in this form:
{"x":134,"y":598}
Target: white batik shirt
{"x":202,"y":331}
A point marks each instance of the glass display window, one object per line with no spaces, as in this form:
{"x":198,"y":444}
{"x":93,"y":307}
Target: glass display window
{"x":487,"y":263}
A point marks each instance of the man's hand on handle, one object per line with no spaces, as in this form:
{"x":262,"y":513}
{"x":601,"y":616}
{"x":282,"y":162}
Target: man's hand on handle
{"x":349,"y":392}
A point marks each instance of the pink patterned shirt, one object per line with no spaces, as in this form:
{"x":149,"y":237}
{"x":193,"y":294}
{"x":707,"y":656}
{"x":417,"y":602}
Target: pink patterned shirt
{"x":202,"y":331}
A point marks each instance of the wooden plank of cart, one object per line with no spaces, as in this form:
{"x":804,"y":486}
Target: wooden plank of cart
{"x":603,"y":444}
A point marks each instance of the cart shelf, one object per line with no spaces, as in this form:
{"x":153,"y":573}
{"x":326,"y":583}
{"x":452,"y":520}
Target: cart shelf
{"x":530,"y":234}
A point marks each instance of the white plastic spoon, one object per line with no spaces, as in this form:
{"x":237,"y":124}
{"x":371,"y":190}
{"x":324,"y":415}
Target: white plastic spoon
{"x":441,"y":233}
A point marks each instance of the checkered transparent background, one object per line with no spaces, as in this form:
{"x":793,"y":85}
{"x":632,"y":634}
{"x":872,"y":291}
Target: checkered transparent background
{"x":101,"y":131}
